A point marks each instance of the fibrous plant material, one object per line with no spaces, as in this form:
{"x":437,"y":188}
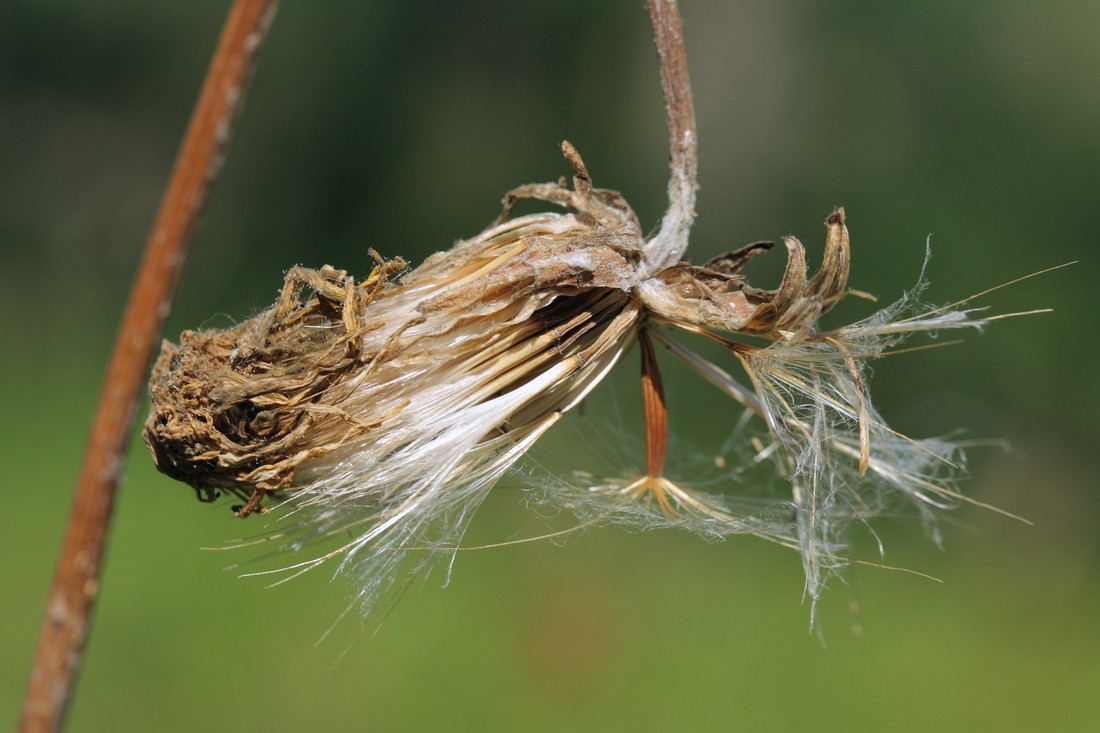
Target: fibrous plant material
{"x":381,"y":412}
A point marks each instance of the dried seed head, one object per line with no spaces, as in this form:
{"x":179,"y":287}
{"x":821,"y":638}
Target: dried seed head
{"x":381,"y":412}
{"x":386,"y":409}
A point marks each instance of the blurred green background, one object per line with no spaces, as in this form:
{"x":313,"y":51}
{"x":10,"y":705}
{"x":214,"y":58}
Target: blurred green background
{"x":398,"y":126}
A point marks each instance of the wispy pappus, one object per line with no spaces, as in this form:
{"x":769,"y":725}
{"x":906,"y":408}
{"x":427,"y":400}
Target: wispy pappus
{"x":383,"y":411}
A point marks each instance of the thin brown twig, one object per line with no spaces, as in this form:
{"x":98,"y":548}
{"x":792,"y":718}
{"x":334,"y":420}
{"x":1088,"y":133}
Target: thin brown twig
{"x":66,"y":623}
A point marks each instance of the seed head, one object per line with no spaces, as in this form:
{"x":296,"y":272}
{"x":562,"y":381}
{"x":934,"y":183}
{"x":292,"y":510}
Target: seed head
{"x":378,"y":414}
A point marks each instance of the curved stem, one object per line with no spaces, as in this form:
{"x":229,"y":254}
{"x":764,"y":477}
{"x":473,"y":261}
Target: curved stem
{"x":72,"y":597}
{"x":670,"y":243}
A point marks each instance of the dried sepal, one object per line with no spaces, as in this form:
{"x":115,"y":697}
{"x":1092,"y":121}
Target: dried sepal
{"x":716,"y":296}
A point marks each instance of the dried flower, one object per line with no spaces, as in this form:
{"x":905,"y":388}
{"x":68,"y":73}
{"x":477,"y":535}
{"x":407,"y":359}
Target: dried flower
{"x":383,"y":411}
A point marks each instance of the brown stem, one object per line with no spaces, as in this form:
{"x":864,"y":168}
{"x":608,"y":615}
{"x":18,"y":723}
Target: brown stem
{"x":66,"y":623}
{"x":668,"y":246}
{"x":653,"y":409}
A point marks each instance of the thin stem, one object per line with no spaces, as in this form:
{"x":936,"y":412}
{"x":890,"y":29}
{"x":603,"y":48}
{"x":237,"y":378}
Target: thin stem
{"x":670,"y":243}
{"x":66,"y":624}
{"x":653,"y":408}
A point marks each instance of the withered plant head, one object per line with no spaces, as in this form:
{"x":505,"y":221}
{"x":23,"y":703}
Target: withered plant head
{"x":382,"y":411}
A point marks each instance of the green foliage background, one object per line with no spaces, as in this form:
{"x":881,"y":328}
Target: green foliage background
{"x":398,"y":126}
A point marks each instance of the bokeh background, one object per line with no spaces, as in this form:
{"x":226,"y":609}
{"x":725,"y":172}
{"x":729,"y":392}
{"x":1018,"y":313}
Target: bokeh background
{"x":398,"y":126}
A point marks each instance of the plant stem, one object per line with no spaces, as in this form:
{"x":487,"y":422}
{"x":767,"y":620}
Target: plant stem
{"x":670,"y":243}
{"x":66,"y":623}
